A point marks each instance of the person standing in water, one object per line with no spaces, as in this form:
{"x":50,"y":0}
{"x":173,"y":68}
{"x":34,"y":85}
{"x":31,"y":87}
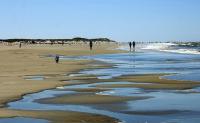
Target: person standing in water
{"x":57,"y":58}
{"x":91,"y":45}
{"x":130,"y":45}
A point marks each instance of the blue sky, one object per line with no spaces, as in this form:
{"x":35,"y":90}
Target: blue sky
{"x":121,"y":20}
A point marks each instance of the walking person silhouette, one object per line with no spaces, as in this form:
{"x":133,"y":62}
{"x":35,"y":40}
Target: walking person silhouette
{"x":133,"y":43}
{"x":57,"y":58}
{"x":130,"y":45}
{"x":20,"y":45}
{"x":91,"y":45}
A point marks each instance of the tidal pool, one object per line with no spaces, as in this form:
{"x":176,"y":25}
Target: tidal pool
{"x":22,"y":120}
{"x":164,"y":106}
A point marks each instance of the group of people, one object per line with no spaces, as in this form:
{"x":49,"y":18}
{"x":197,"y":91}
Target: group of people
{"x":132,"y":45}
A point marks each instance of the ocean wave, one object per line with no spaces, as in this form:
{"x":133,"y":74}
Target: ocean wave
{"x":173,"y":48}
{"x":189,"y":44}
{"x":158,"y":46}
{"x":183,"y":51}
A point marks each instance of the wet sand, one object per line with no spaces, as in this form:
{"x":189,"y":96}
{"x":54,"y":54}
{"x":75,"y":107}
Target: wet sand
{"x":17,"y":63}
{"x":153,"y":78}
{"x":87,"y":98}
{"x":58,"y":116}
{"x":152,"y":81}
{"x":156,"y":113}
{"x":93,"y":90}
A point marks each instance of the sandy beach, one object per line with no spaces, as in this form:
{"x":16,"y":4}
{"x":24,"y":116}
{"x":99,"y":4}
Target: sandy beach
{"x":100,"y":88}
{"x":18,"y":63}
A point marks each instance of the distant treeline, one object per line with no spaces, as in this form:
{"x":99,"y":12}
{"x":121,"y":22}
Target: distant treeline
{"x":57,"y":40}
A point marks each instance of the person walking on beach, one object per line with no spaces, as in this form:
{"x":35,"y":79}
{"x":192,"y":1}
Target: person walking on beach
{"x":57,"y":58}
{"x":133,"y":43}
{"x":130,"y":45}
{"x":91,"y":45}
{"x":20,"y":45}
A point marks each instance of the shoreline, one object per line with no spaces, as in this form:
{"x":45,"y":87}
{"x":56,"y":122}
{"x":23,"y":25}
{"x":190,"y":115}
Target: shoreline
{"x":83,"y":64}
{"x":18,"y":59}
{"x":66,"y":73}
{"x":152,"y":82}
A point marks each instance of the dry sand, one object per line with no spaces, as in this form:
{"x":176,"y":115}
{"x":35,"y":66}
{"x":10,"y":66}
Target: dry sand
{"x":16,"y":63}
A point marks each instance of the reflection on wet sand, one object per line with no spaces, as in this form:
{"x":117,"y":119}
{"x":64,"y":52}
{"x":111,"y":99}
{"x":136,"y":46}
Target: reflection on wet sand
{"x":139,"y":95}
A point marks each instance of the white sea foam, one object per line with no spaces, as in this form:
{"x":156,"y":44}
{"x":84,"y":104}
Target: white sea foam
{"x":61,"y":87}
{"x":123,"y":47}
{"x":158,"y":46}
{"x":75,"y":75}
{"x":106,"y":93}
{"x":183,"y":51}
{"x":164,"y":47}
{"x":167,"y":47}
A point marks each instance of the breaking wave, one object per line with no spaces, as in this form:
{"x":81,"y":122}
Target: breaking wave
{"x":184,"y":48}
